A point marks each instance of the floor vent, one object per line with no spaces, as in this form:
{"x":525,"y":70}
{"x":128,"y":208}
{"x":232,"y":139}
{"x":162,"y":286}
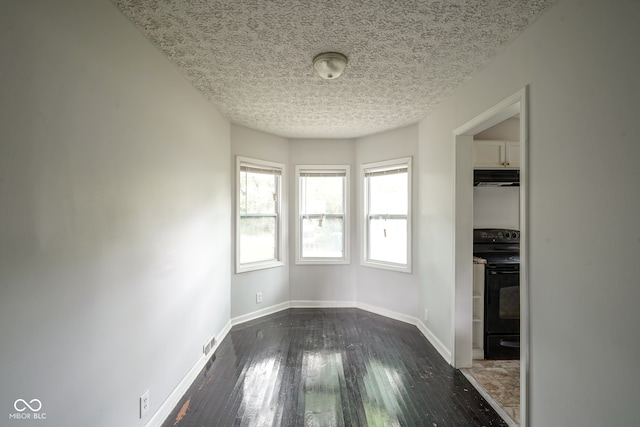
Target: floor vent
{"x":209,"y":364}
{"x":206,"y":348}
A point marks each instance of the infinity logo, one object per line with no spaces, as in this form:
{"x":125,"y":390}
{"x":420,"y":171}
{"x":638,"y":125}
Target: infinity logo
{"x":37,"y":405}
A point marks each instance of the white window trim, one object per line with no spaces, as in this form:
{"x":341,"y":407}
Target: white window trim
{"x":345,"y":259}
{"x":280,"y":225}
{"x":405,"y":268}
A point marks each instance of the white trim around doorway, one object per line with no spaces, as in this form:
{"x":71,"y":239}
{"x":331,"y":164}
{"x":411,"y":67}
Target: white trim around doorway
{"x":463,"y":231}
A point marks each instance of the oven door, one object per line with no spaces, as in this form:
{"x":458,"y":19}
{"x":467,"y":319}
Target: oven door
{"x":502,"y":299}
{"x":502,"y":346}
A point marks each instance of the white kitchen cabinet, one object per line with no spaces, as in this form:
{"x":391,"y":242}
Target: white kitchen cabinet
{"x":496,"y":154}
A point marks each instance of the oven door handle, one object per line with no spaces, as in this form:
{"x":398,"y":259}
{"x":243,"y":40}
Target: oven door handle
{"x":510,"y":344}
{"x":503,"y":272}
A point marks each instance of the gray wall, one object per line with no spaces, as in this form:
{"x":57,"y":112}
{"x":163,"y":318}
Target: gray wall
{"x":114,"y":219}
{"x":323,"y":282}
{"x":390,"y":290}
{"x":272,"y":282}
{"x":580,"y":64}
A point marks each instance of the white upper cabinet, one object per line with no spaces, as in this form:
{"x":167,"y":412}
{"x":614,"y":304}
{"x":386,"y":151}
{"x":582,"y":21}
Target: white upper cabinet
{"x":496,"y":154}
{"x":512,"y":151}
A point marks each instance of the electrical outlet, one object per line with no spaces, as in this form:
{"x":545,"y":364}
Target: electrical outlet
{"x":258,"y":297}
{"x":426,"y":314}
{"x":144,"y":403}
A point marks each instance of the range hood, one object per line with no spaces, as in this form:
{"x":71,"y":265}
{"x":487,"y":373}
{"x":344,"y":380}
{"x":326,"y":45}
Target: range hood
{"x":496,"y":178}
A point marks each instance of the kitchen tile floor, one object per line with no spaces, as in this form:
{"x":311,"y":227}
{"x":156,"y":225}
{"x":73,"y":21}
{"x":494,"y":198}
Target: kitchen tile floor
{"x":501,"y":380}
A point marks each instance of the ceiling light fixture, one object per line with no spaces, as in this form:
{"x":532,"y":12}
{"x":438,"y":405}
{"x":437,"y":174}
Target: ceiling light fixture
{"x":330,"y":65}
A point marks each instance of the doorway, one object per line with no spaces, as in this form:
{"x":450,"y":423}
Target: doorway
{"x":462,"y":298}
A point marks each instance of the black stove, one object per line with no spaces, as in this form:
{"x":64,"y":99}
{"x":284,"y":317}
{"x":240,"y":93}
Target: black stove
{"x":498,"y":258}
{"x":497,"y":243}
{"x":501,"y":250}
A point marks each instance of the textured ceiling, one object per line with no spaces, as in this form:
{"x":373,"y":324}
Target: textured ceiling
{"x":253,"y":58}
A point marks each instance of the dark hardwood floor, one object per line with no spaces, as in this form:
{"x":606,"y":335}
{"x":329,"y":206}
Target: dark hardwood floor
{"x":330,"y":367}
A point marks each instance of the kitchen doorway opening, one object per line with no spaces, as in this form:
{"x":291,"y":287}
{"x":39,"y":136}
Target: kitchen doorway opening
{"x":462,"y":298}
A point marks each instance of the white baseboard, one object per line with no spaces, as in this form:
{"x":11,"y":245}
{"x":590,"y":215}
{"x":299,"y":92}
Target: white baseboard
{"x":435,"y":342}
{"x":426,"y":332}
{"x":223,"y":333}
{"x":405,"y":318}
{"x":322,"y":304}
{"x":169,"y":404}
{"x":260,"y":313}
{"x":290,"y":304}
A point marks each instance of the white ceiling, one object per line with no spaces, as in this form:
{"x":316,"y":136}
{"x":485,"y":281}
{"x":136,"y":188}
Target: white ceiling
{"x":253,"y":58}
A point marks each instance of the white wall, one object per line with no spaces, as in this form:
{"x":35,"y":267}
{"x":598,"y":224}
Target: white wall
{"x":579,"y":60}
{"x":272,"y":282}
{"x":390,"y":290}
{"x":114,"y":219}
{"x":507,"y":130}
{"x":323,"y":282}
{"x":436,"y":219}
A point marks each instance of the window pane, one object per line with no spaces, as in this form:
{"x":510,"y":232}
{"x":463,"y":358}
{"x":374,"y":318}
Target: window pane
{"x":322,"y":237}
{"x":389,"y":194}
{"x":257,"y":192}
{"x":388,"y":240}
{"x":257,"y":239}
{"x":322,"y":209}
{"x":322,"y":195}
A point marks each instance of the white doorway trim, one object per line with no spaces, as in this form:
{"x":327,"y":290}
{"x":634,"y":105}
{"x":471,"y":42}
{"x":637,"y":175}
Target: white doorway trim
{"x":463,"y":236}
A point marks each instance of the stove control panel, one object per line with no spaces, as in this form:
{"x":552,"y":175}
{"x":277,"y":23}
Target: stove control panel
{"x":496,"y":235}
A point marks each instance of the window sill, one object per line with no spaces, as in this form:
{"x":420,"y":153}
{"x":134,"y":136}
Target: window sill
{"x":258,"y":266}
{"x":385,"y":266}
{"x":323,"y":262}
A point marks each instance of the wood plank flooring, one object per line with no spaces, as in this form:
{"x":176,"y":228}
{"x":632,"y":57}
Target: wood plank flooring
{"x":330,"y":367}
